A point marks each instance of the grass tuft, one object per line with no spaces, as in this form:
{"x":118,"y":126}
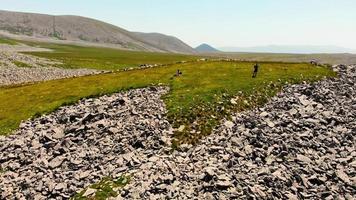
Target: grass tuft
{"x":7,"y":41}
{"x":105,"y":189}
{"x":21,"y":64}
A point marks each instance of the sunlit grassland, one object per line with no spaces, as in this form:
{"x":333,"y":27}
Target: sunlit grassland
{"x":105,"y":58}
{"x":7,"y":41}
{"x":196,"y":97}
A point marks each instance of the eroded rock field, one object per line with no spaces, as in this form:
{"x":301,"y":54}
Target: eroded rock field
{"x":300,"y":145}
{"x":18,"y":68}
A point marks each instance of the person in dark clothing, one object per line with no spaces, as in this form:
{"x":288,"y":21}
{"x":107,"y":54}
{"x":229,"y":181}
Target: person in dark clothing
{"x":178,"y":73}
{"x":255,"y":70}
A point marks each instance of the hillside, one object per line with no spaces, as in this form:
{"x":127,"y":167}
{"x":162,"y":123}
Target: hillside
{"x":85,"y":30}
{"x":205,"y":48}
{"x":165,"y":42}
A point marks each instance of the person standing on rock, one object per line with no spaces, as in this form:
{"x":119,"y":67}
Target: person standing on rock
{"x":255,"y":70}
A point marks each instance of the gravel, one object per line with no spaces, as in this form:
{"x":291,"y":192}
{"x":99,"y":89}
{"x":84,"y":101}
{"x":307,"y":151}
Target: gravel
{"x":300,"y":145}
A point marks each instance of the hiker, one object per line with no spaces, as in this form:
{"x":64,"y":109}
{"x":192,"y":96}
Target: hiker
{"x":255,"y":70}
{"x":314,"y":62}
{"x":178,"y":73}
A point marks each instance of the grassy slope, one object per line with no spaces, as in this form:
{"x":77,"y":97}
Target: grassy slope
{"x":202,"y":83}
{"x":7,"y":41}
{"x":105,"y":58}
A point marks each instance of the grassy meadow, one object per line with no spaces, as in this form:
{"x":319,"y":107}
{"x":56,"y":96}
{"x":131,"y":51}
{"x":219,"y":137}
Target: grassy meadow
{"x":197,"y":99}
{"x":105,"y":58}
{"x":7,"y":41}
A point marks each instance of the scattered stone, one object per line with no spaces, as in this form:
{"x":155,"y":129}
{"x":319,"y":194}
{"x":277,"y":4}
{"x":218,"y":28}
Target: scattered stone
{"x":303,"y":159}
{"x":89,"y":192}
{"x":229,"y":124}
{"x":56,"y":162}
{"x":181,"y":128}
{"x":233,"y":102}
{"x":343,"y":176}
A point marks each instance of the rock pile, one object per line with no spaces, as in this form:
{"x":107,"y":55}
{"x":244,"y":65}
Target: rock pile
{"x":17,"y":68}
{"x":57,"y":155}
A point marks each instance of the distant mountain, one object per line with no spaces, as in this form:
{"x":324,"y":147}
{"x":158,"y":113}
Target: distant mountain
{"x":302,"y":49}
{"x":205,"y":48}
{"x":67,"y":28}
{"x":165,"y":42}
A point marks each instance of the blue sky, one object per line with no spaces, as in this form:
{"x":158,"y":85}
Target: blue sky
{"x":218,"y":22}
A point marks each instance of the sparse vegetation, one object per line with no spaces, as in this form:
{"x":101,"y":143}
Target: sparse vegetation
{"x":18,"y":30}
{"x":21,"y":64}
{"x":57,"y":35}
{"x":7,"y":41}
{"x":104,"y":189}
{"x":105,"y":58}
{"x":2,"y":170}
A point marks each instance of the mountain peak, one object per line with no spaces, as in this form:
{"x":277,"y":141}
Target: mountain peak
{"x":204,"y":48}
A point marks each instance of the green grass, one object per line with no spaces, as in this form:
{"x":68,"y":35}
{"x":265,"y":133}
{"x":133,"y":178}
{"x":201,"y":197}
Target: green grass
{"x":7,"y":41}
{"x":21,"y":64}
{"x":104,"y":189}
{"x":198,"y":96}
{"x":105,"y":58}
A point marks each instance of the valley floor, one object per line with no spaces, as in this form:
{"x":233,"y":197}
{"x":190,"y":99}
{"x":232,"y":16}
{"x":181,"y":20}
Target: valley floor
{"x":300,"y":145}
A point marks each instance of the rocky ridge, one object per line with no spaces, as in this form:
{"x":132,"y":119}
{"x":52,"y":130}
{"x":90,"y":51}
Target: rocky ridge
{"x":300,"y":145}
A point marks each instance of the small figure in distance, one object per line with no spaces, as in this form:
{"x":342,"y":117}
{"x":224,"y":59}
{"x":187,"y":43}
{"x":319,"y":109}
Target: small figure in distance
{"x":178,"y":73}
{"x":314,"y":62}
{"x":255,"y":70}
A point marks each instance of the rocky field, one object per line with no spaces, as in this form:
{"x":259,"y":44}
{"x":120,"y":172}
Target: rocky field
{"x":300,"y":145}
{"x":18,"y":68}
